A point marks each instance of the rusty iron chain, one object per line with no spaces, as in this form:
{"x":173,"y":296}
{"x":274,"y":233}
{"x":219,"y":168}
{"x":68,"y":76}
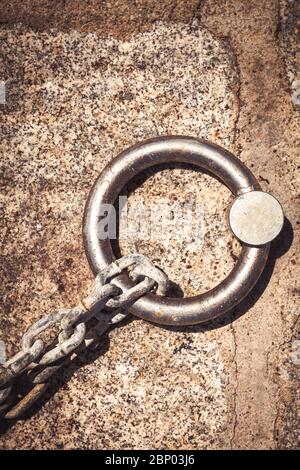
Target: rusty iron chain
{"x":38,"y":360}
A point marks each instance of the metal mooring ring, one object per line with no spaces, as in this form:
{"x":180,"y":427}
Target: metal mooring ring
{"x":200,"y":153}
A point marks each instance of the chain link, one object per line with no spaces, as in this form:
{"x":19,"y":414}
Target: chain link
{"x":38,"y":360}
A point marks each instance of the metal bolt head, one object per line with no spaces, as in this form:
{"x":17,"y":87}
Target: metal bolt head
{"x":256,"y":218}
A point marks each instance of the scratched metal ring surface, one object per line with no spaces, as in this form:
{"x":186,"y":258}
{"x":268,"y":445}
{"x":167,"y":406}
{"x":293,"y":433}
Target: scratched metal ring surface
{"x":235,"y":175}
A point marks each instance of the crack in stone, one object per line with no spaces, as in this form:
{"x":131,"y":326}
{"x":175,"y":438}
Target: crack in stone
{"x":277,"y":400}
{"x":236,"y":93}
{"x":234,"y":426}
{"x":172,"y":9}
{"x":275,"y":437}
{"x":197,"y":10}
{"x":281,"y":346}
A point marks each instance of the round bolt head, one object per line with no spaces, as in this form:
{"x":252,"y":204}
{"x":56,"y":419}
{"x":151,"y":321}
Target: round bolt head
{"x":256,"y":218}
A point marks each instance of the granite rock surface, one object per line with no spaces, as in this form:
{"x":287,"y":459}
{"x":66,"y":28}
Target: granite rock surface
{"x":81,"y":86}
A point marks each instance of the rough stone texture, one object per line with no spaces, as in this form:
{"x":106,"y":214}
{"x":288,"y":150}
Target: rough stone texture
{"x":120,"y":18}
{"x":289,"y":34}
{"x":75,"y":99}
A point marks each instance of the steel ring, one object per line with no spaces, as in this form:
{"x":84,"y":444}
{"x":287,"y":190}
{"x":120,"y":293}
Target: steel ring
{"x":200,"y":153}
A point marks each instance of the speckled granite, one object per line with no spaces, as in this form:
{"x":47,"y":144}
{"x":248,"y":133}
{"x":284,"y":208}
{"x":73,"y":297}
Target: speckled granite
{"x":75,"y":99}
{"x":290,"y":37}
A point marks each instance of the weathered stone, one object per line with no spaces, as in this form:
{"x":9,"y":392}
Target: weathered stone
{"x":75,"y":98}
